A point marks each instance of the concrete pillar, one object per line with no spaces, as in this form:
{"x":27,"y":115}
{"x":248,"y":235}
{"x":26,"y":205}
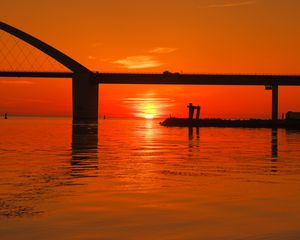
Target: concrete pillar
{"x":198,"y":112}
{"x":275,"y":103}
{"x":85,"y":97}
{"x":191,"y":110}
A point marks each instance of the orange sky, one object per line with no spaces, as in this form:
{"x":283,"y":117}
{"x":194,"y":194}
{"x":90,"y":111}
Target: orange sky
{"x":189,"y":36}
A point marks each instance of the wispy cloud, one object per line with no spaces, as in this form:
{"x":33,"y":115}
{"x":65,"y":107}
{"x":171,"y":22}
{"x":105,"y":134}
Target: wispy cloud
{"x":229,"y":4}
{"x":162,"y":50}
{"x":16,"y":82}
{"x":91,"y":57}
{"x":138,"y":62}
{"x":14,"y":100}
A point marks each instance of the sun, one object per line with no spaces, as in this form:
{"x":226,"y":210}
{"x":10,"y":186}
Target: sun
{"x":149,"y":116}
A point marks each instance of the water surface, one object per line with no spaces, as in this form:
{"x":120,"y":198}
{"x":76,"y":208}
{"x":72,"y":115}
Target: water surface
{"x":133,"y":179}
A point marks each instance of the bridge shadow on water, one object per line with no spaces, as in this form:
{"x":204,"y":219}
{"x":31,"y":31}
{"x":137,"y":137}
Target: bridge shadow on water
{"x":85,"y":156}
{"x":84,"y":161}
{"x":274,"y":144}
{"x":194,"y":144}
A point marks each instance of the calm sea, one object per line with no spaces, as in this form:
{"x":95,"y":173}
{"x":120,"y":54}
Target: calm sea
{"x":133,"y":179}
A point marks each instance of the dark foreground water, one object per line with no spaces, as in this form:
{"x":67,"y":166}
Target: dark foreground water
{"x":138,"y":180}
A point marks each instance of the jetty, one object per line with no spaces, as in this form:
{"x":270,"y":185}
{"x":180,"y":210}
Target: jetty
{"x":291,"y":121}
{"x":218,"y":122}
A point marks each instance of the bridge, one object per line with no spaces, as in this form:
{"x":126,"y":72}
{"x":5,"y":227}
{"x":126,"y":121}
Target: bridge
{"x":85,"y":82}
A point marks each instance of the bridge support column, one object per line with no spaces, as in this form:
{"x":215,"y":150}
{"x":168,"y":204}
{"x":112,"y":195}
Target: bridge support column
{"x":275,"y":103}
{"x":85,"y":97}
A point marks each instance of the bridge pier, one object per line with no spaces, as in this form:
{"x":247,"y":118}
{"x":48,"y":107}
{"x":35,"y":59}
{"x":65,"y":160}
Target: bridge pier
{"x":85,"y":97}
{"x":275,"y":103}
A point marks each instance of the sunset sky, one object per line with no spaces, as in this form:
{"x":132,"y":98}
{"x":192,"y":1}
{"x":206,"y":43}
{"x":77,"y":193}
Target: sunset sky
{"x":186,"y":36}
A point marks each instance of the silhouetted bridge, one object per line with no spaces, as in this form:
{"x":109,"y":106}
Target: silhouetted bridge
{"x":85,"y":82}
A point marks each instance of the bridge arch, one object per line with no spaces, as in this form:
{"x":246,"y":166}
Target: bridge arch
{"x":84,"y":84}
{"x":60,"y":57}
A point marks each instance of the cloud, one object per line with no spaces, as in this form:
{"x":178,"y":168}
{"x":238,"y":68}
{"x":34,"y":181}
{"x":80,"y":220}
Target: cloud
{"x":90,"y":57}
{"x":162,"y":50}
{"x":138,"y":62}
{"x":229,"y":4}
{"x":16,"y":82}
{"x":11,"y":102}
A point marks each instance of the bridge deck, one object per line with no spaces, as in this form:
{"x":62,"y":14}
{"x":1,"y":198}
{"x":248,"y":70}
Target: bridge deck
{"x":197,"y":79}
{"x":172,"y":78}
